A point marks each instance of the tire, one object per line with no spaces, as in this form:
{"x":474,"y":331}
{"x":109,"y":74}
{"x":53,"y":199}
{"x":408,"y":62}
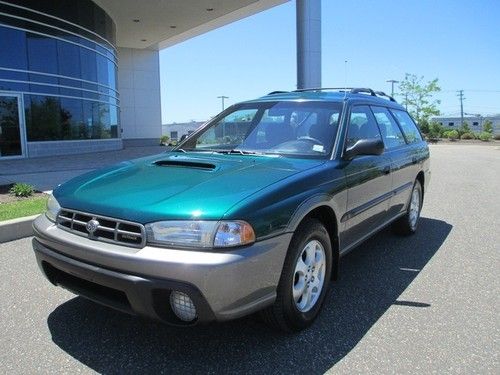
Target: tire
{"x":307,"y":275}
{"x":408,"y":223}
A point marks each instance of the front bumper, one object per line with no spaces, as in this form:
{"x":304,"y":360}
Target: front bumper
{"x":222,"y":285}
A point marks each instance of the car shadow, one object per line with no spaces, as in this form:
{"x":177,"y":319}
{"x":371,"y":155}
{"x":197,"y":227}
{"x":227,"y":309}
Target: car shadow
{"x":372,"y":279}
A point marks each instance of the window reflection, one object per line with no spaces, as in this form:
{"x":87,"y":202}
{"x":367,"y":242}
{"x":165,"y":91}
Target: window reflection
{"x":53,"y":118}
{"x":16,"y":58}
{"x":55,"y":71}
{"x":42,"y":53}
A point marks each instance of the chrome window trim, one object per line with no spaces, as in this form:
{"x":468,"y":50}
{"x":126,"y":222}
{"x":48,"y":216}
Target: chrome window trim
{"x":57,"y":76}
{"x":63,"y":20}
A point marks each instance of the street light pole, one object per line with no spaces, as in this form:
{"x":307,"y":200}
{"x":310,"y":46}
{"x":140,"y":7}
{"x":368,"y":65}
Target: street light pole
{"x":392,"y":82}
{"x":222,"y":97}
{"x":462,"y":98}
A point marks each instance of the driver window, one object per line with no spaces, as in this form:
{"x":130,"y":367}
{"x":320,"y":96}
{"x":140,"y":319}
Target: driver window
{"x":362,"y":125}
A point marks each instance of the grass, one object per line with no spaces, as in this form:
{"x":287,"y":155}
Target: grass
{"x":23,"y":207}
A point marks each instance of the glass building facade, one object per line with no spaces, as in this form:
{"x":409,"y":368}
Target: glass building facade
{"x":58,"y":71}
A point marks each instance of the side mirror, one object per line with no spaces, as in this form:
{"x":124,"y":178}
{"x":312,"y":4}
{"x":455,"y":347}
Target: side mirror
{"x":370,"y":146}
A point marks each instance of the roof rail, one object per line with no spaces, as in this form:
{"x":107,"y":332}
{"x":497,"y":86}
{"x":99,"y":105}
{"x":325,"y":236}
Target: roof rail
{"x":350,"y":90}
{"x":381,"y":93}
{"x":277,"y":92}
{"x":324,"y":89}
{"x":365,"y":90}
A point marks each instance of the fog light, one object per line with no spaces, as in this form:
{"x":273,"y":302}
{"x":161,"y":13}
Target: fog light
{"x":182,"y":306}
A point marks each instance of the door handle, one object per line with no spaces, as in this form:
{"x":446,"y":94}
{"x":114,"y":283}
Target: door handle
{"x":386,"y":170}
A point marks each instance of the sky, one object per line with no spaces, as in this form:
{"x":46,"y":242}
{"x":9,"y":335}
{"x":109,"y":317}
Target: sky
{"x":456,"y":41}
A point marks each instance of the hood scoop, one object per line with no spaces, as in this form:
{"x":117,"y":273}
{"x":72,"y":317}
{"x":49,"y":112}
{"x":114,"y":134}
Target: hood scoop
{"x":185,"y":164}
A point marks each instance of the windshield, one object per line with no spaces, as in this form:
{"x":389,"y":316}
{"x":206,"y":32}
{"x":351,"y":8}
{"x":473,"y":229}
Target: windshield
{"x":283,"y":128}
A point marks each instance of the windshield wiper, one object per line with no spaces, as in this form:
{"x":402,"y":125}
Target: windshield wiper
{"x":226,"y":152}
{"x":238,"y":152}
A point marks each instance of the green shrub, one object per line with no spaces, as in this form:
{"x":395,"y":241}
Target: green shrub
{"x":452,"y":135}
{"x":485,"y":136}
{"x":164,"y":139}
{"x":436,"y":130}
{"x":464,"y":128}
{"x":22,"y":190}
{"x":446,"y":134}
{"x":467,"y":136}
{"x":488,"y":126}
{"x":424,"y":127}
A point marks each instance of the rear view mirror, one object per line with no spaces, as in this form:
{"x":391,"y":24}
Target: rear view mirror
{"x":371,"y":146}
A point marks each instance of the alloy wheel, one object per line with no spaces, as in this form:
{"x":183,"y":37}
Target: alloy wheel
{"x":309,"y":276}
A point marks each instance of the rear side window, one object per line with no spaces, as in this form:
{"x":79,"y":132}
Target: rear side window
{"x":410,"y":129}
{"x":361,"y":125}
{"x":391,"y":133}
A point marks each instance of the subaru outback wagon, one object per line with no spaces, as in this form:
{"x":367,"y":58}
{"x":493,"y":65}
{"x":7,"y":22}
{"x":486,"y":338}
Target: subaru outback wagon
{"x":252,"y":212}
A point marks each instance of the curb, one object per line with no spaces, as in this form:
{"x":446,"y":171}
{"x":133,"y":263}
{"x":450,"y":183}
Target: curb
{"x":16,"y":229}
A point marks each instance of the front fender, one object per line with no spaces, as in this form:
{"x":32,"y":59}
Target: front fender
{"x":337,"y":203}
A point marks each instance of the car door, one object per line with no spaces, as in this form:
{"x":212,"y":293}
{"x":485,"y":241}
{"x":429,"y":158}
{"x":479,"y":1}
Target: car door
{"x":407,"y":161}
{"x":401,"y":159}
{"x":368,"y":181}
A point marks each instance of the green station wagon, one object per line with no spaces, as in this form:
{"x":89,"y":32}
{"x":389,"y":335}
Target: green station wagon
{"x":252,"y":212}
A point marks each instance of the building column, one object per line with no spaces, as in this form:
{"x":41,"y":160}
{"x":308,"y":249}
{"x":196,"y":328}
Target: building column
{"x":139,"y":88}
{"x":308,"y":43}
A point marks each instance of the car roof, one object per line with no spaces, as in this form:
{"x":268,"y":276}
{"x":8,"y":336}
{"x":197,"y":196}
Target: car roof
{"x":367,"y":96}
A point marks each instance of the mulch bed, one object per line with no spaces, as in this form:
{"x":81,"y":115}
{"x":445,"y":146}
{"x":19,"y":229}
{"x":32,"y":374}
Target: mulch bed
{"x":6,"y":197}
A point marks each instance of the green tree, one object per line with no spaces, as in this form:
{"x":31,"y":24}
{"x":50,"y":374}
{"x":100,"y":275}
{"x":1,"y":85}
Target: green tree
{"x":418,"y":97}
{"x":488,"y":126}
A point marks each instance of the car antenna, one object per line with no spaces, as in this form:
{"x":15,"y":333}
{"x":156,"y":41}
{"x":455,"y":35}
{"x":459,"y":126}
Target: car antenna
{"x":345,"y":79}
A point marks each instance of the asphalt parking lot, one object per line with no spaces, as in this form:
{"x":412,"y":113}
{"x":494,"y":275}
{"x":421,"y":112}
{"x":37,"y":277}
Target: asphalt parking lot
{"x":421,"y":304}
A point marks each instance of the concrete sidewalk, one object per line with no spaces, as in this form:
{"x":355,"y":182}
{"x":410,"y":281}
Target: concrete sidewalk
{"x":47,"y":172}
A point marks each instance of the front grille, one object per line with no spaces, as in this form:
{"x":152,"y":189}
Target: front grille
{"x":107,"y":229}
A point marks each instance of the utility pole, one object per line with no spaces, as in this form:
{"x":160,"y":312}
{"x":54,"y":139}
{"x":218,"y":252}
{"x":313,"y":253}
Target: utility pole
{"x":461,"y":97}
{"x":392,"y":82}
{"x":222,"y":97}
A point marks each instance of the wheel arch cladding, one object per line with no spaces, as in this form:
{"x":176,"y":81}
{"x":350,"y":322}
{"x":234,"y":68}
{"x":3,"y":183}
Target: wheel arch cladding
{"x":421,"y":179}
{"x":327,"y":217}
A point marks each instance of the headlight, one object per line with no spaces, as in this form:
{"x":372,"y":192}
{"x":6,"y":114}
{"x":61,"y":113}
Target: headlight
{"x":200,"y":234}
{"x":53,"y":208}
{"x":233,"y":233}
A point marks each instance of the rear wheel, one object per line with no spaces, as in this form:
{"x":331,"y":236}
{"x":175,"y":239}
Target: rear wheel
{"x":304,"y":279}
{"x":409,"y":222}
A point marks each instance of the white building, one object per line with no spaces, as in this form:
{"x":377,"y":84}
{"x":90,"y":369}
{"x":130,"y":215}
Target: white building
{"x":475,"y":122}
{"x":175,"y":130}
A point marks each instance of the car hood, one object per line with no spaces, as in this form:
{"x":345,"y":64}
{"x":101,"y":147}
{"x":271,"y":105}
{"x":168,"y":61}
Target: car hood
{"x":178,"y":186}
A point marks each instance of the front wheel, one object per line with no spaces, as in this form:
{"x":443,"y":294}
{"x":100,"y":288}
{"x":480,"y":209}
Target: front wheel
{"x":408,"y":223}
{"x":304,"y":279}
